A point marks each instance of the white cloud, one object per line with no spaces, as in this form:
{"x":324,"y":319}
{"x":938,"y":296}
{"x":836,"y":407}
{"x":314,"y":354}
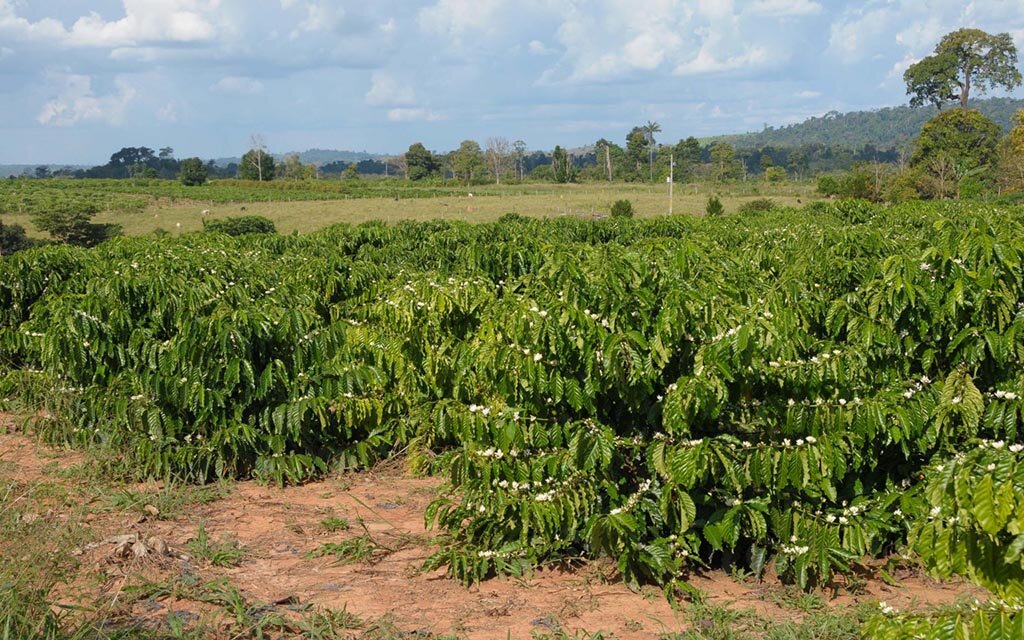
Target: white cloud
{"x":887,"y":27}
{"x":855,"y":37}
{"x":386,"y":90}
{"x":78,"y":102}
{"x":806,"y":95}
{"x":624,"y":40}
{"x":785,"y":8}
{"x":321,"y":16}
{"x":706,"y":62}
{"x":16,"y":28}
{"x":239,"y":85}
{"x":172,"y":21}
{"x":144,"y":21}
{"x":456,"y":18}
{"x":922,"y":36}
{"x":414,"y":115}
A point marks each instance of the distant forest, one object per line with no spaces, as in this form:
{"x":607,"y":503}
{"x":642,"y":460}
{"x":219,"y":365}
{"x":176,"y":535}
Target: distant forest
{"x":888,"y":128}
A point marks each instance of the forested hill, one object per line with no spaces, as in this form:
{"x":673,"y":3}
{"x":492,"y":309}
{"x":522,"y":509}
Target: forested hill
{"x":882,"y":128}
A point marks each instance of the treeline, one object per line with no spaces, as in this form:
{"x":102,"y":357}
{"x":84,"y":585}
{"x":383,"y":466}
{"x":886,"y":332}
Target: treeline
{"x":959,"y":153}
{"x":888,"y":128}
{"x":137,"y":162}
{"x":639,"y":158}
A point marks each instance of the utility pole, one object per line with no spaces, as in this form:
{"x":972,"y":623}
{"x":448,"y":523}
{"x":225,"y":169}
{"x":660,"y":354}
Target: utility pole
{"x":671,"y":180}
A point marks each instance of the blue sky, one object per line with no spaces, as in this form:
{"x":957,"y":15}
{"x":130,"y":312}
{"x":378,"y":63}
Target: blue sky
{"x":81,"y":78}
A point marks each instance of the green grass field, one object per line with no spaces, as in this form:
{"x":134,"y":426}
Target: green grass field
{"x":487,"y":203}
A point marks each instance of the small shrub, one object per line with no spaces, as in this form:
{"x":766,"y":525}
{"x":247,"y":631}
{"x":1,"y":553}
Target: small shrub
{"x":714,"y":207}
{"x":13,"y":238}
{"x":775,"y":174}
{"x":828,"y":186}
{"x":760,"y":205}
{"x":72,"y":224}
{"x":902,"y":187}
{"x":240,"y":225}
{"x":622,"y":209}
{"x":855,"y":211}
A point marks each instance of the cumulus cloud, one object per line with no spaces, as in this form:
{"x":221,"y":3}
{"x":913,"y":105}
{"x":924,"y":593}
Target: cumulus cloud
{"x":686,"y":37}
{"x":386,"y":90}
{"x":238,"y":85}
{"x":414,"y":115}
{"x":880,"y":27}
{"x":177,"y":21}
{"x":14,"y":27}
{"x":77,"y":102}
{"x":706,"y":62}
{"x":172,"y":21}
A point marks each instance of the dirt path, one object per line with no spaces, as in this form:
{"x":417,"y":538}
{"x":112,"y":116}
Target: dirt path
{"x":279,"y":529}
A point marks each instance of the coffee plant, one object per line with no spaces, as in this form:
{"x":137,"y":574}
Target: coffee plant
{"x":792,"y":391}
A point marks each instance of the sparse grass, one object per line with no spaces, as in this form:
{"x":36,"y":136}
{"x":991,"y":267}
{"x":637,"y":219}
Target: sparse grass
{"x":713,"y":622}
{"x":792,"y":597}
{"x":487,"y":204}
{"x":170,"y":501}
{"x":331,"y":524}
{"x":559,"y":634}
{"x":224,"y":606}
{"x":225,"y":553}
{"x":354,"y":550}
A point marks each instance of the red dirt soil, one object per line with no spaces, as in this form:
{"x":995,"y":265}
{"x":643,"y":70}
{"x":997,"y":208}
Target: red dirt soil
{"x":279,"y":527}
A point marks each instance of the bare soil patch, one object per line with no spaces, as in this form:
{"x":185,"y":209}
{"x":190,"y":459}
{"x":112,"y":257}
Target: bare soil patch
{"x":377,"y":519}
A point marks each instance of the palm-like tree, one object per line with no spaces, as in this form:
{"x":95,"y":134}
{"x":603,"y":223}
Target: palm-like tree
{"x":649,"y":130}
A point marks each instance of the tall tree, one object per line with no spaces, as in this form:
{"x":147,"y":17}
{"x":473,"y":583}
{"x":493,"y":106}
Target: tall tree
{"x":603,"y":151}
{"x":420,"y":161}
{"x":468,"y":161}
{"x":1017,"y":134}
{"x":257,"y":163}
{"x":519,"y":148}
{"x":955,"y":145}
{"x":498,"y":152}
{"x":687,"y":153}
{"x":636,"y":143}
{"x":192,"y":172}
{"x":562,"y":167}
{"x":649,"y":130}
{"x":294,"y":169}
{"x":1010,"y":160}
{"x":965,"y":59}
{"x":723,"y":157}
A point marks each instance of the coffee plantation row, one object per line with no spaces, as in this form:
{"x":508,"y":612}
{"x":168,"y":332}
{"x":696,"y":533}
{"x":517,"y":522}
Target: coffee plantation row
{"x":797,"y":388}
{"x":30,"y":197}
